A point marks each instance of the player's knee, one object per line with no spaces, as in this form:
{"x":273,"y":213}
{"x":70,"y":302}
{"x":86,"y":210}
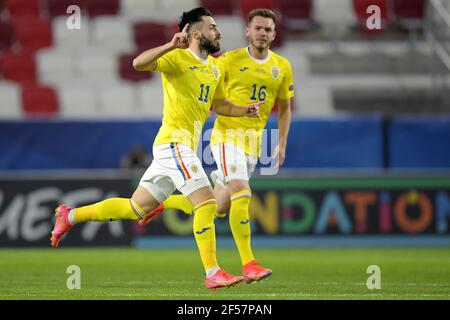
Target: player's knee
{"x":209,"y":204}
{"x":236,"y":186}
{"x":145,"y":205}
{"x":144,"y":199}
{"x":223,"y":206}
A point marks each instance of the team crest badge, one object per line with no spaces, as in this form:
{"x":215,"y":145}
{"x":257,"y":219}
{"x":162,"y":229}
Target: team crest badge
{"x":194,"y":168}
{"x":233,"y":168}
{"x":215,"y":71}
{"x":275,"y":72}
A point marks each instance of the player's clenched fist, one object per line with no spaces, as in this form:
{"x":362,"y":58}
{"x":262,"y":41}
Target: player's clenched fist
{"x":180,"y":39}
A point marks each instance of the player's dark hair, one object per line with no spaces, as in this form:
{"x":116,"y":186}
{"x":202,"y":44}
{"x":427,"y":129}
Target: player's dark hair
{"x":193,"y":16}
{"x":265,"y":13}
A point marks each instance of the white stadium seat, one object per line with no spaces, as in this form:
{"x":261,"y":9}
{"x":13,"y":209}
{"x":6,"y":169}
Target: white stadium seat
{"x":155,"y":10}
{"x":54,"y":66}
{"x":77,"y":101}
{"x":232,"y":29}
{"x":150,"y":97}
{"x":139,"y":9}
{"x":171,"y":10}
{"x":335,"y":17}
{"x":11,"y":101}
{"x":113,"y":33}
{"x":96,"y":66}
{"x":70,"y":38}
{"x":117,"y":101}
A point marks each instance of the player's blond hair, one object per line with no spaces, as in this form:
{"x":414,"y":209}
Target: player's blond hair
{"x":260,"y":12}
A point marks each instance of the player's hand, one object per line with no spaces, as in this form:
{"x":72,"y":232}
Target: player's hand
{"x":279,"y":155}
{"x":180,"y":39}
{"x":253,"y":109}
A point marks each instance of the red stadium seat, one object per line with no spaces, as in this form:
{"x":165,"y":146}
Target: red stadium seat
{"x":172,"y":28}
{"x":127,"y":71}
{"x":6,"y":35}
{"x":59,"y":7}
{"x":245,"y":6}
{"x":279,"y":37}
{"x":102,"y":7}
{"x":19,"y":67}
{"x":149,"y":34}
{"x":301,"y":9}
{"x":20,"y":8}
{"x":360,"y":8}
{"x":409,"y":15}
{"x":219,"y":7}
{"x":409,"y":9}
{"x":39,"y":100}
{"x":297,"y":14}
{"x":33,"y":33}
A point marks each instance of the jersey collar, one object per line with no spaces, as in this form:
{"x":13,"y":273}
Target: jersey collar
{"x":260,"y":61}
{"x":204,"y":61}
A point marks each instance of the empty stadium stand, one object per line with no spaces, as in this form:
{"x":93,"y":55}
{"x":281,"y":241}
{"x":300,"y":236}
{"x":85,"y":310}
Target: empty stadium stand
{"x":339,"y":64}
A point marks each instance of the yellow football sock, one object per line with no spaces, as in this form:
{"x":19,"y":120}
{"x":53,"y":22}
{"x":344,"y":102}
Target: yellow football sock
{"x":205,"y":232}
{"x":180,"y":202}
{"x":240,"y":224}
{"x":109,"y":210}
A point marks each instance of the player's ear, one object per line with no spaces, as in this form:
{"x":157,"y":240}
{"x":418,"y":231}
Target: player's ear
{"x":274,"y":35}
{"x":247,"y":30}
{"x":195,"y":34}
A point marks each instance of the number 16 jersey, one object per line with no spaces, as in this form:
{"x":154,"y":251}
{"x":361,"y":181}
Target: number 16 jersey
{"x":247,"y":81}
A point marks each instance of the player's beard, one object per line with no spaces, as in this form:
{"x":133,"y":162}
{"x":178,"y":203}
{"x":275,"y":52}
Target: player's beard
{"x":258,"y":46}
{"x":209,"y":45}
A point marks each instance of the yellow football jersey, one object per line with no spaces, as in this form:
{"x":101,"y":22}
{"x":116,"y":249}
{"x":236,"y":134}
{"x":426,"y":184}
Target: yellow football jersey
{"x":190,"y":85}
{"x":248,"y":80}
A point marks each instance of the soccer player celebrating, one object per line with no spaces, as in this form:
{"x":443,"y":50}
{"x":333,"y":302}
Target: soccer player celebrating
{"x":192,"y":82}
{"x":254,"y":73}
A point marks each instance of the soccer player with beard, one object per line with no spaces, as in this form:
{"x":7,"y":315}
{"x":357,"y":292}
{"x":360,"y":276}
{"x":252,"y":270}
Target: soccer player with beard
{"x":252,"y":74}
{"x":192,"y":82}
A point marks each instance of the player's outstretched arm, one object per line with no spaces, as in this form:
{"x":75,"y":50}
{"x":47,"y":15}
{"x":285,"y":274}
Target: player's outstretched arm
{"x":146,"y":61}
{"x":225,"y":107}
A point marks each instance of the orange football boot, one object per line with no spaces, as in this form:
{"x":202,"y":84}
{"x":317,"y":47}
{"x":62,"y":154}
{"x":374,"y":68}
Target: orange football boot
{"x":253,"y":271}
{"x":62,"y":225}
{"x":222,"y":279}
{"x":153,"y":214}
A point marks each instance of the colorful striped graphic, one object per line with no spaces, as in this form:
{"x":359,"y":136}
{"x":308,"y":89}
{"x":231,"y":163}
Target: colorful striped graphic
{"x":222,"y":156}
{"x":179,"y":161}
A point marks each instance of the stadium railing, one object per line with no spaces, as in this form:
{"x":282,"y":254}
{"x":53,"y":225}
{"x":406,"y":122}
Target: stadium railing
{"x":437,"y":33}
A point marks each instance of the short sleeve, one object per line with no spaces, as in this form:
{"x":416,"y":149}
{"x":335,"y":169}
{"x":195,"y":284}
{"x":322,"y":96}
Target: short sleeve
{"x":287,"y":86}
{"x":223,"y":60}
{"x":221,"y":91}
{"x":167,"y":63}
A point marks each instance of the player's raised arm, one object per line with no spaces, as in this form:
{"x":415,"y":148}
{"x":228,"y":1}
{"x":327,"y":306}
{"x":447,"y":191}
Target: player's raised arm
{"x":146,"y":61}
{"x":225,"y":107}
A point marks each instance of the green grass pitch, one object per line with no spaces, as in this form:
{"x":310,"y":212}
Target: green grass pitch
{"x":124,"y":273}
